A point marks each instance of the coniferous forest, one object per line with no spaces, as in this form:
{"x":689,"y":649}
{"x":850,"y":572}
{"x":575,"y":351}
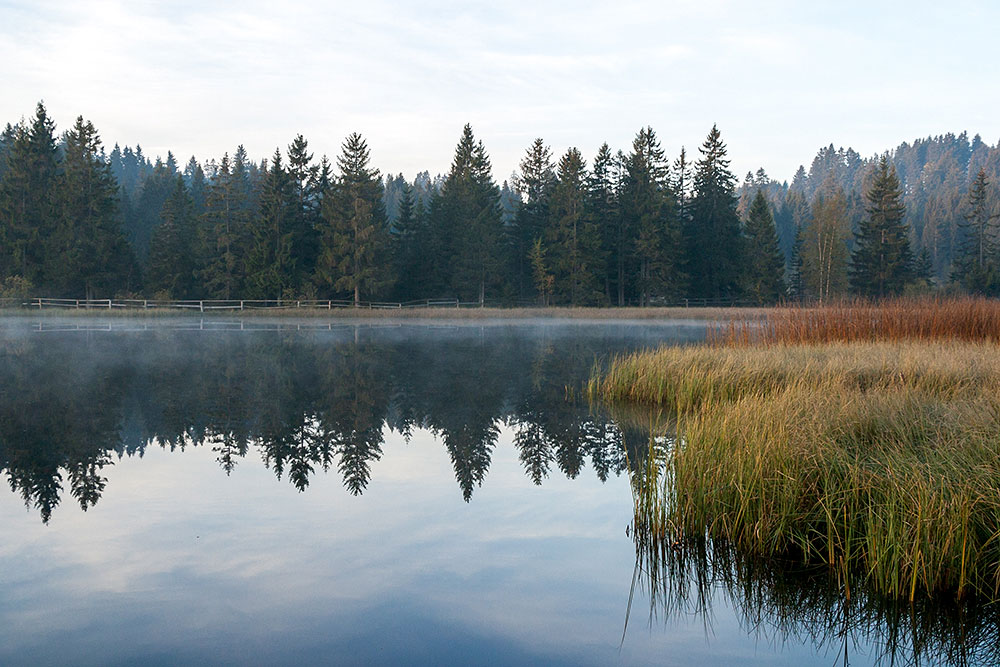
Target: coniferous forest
{"x":622,"y":227}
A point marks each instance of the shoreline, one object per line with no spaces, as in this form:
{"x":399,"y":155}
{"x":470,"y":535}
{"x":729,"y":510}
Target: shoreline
{"x":712,"y":314}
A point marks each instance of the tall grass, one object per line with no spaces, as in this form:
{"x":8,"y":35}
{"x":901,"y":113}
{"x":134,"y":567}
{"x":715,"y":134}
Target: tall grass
{"x":969,"y":319}
{"x":880,"y":461}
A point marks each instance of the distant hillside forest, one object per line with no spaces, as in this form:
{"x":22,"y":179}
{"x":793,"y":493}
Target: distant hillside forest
{"x":624,"y":228}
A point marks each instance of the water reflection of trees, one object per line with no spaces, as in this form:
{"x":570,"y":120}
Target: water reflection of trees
{"x":71,"y":403}
{"x":786,"y":603}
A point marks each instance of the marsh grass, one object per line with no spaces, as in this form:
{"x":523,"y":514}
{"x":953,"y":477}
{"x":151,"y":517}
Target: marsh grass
{"x":967,"y":318}
{"x":880,"y":461}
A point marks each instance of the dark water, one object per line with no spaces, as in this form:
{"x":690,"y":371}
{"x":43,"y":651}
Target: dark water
{"x":189,"y":491}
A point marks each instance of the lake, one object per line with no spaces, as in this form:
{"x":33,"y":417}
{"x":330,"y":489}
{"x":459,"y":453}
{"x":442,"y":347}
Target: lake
{"x":285,"y":491}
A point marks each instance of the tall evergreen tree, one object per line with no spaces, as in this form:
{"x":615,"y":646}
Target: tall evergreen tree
{"x":172,"y":264}
{"x":650,"y":209}
{"x":882,"y":262}
{"x":226,"y":219}
{"x":27,"y":199}
{"x":410,"y":248}
{"x":466,"y":226}
{"x":153,"y":191}
{"x":574,"y":244}
{"x":87,"y":255}
{"x":355,"y":255}
{"x":270,"y":266}
{"x":765,"y":265}
{"x":603,"y":210}
{"x":976,"y":265}
{"x":714,"y":252}
{"x":534,"y":184}
{"x":305,"y":214}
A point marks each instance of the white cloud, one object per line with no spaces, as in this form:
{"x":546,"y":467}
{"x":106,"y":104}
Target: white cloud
{"x":780,"y":78}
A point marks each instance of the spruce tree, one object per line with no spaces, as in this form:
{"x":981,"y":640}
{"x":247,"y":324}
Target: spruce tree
{"x":410,"y":243}
{"x":534,"y":185}
{"x":172,"y":268}
{"x":573,"y":238}
{"x":305,"y":214}
{"x":355,"y":254}
{"x":27,"y":200}
{"x":154,"y":189}
{"x":765,"y":265}
{"x":603,"y":210}
{"x":882,"y":262}
{"x":226,"y":221}
{"x":466,"y":226}
{"x":713,"y":243}
{"x":976,"y":265}
{"x":649,"y":208}
{"x":270,"y":266}
{"x":87,"y":255}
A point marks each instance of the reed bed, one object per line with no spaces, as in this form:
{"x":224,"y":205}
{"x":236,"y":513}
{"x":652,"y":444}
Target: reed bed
{"x":967,"y":318}
{"x":879,"y":460}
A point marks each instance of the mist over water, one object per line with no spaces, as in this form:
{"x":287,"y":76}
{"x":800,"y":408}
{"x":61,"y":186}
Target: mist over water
{"x":289,"y":491}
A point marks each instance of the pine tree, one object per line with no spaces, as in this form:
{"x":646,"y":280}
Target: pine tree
{"x":534,"y":185}
{"x":410,"y":242}
{"x":355,"y":252}
{"x":27,"y":200}
{"x":226,"y":220}
{"x":270,"y":267}
{"x":573,"y":240}
{"x":155,"y":187}
{"x":882,"y":262}
{"x":603,"y":210}
{"x":976,"y":265}
{"x":194,"y":179}
{"x":765,"y":265}
{"x":465,"y":223}
{"x":172,"y":267}
{"x":714,"y":251}
{"x":87,"y":255}
{"x":650,"y":209}
{"x":923,"y":269}
{"x":542,"y":277}
{"x":305,"y":214}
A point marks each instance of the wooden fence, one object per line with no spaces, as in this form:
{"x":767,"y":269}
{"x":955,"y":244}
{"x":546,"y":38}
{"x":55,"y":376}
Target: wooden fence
{"x":214,"y":305}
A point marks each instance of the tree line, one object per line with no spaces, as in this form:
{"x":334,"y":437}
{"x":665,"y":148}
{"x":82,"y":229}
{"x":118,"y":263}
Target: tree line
{"x":629,"y":228}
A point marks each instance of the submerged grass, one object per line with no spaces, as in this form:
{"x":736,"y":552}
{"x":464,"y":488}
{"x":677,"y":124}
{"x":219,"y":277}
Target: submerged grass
{"x":879,"y":460}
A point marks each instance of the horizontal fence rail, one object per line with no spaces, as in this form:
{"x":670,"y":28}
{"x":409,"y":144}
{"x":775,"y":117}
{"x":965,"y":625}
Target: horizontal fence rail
{"x":215,"y":305}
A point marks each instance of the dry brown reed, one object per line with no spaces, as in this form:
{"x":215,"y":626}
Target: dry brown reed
{"x":963,"y":318}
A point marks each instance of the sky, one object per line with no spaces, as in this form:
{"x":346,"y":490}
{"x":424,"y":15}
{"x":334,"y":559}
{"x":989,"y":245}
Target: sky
{"x":780,"y":78}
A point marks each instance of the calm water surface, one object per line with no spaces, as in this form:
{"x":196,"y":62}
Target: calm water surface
{"x":283,"y":492}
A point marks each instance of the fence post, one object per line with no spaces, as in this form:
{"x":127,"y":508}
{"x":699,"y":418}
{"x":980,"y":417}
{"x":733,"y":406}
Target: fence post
{"x":109,"y":304}
{"x":201,"y":305}
{"x":39,"y":303}
{"x":241,"y":306}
